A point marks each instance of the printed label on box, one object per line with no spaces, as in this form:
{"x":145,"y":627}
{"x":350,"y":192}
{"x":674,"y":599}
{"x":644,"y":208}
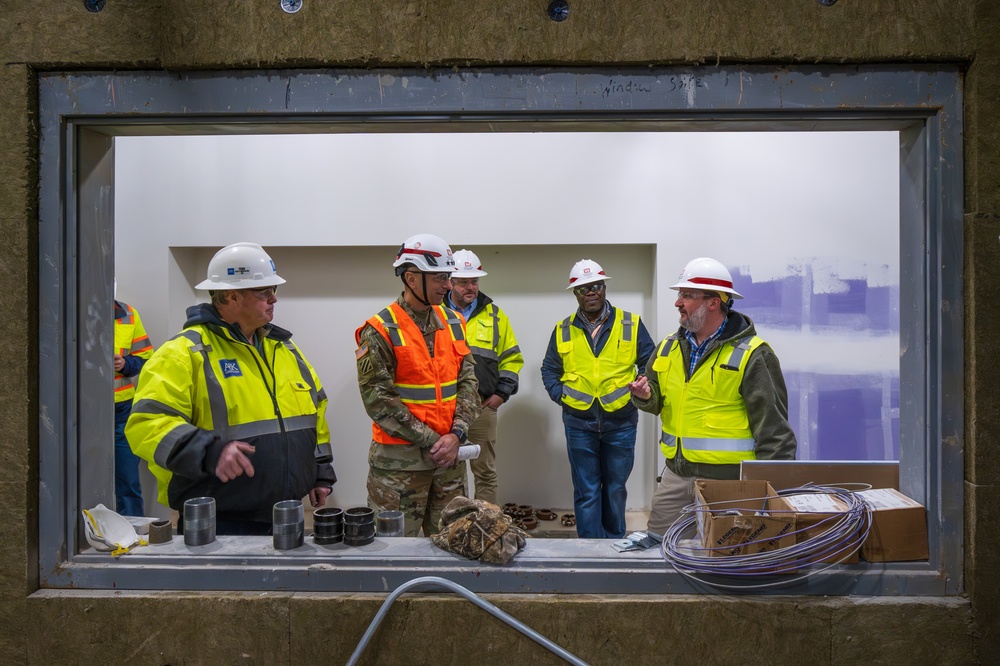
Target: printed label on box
{"x":887,"y":498}
{"x":814,"y":502}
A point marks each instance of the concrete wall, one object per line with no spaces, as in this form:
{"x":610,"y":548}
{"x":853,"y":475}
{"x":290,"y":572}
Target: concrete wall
{"x":71,"y":626}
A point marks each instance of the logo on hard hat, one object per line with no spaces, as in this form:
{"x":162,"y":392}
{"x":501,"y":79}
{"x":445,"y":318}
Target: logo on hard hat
{"x":239,"y":269}
{"x":586,"y":271}
{"x":416,"y":246}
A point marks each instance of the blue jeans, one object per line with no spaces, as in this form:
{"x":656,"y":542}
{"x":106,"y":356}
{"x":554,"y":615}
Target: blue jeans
{"x":128,"y":490}
{"x":600,"y":463}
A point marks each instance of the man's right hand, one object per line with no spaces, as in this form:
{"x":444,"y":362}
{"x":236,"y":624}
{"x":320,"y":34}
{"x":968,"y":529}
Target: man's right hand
{"x":234,"y":461}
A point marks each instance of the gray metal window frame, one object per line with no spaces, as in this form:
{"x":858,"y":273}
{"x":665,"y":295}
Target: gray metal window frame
{"x":80,"y":113}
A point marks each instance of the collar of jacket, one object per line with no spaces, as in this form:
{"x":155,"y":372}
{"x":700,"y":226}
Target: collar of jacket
{"x":206,"y":314}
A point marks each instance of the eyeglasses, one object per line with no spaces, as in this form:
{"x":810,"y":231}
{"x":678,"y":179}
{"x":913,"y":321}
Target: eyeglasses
{"x":264,"y":293}
{"x":436,"y":277}
{"x":691,"y":295}
{"x":588,"y":288}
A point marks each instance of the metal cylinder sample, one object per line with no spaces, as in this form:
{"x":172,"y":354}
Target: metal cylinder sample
{"x":328,"y":525}
{"x":160,"y":531}
{"x":288,"y":524}
{"x":199,"y":521}
{"x":389,"y":524}
{"x":359,"y":526}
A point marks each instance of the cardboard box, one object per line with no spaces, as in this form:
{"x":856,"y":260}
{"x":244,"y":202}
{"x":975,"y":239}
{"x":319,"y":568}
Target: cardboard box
{"x":814,"y":514}
{"x":728,"y":520}
{"x":899,"y":527}
{"x":785,"y":474}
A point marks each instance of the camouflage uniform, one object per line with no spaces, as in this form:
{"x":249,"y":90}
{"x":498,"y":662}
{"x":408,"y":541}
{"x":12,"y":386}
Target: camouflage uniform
{"x":403,"y":476}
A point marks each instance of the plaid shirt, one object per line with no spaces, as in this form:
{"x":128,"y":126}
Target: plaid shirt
{"x":697,"y":351}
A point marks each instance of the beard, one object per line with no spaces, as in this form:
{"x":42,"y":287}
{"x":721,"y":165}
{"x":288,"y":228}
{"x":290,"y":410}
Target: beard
{"x":696,"y":319}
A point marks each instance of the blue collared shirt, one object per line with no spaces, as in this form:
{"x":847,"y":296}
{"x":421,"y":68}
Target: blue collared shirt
{"x":466,"y":312}
{"x":697,"y":351}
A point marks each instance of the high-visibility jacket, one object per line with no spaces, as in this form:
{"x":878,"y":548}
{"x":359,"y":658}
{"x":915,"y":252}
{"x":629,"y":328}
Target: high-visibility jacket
{"x":427,"y":386}
{"x":130,"y":340}
{"x":706,"y":413}
{"x":604,"y":377}
{"x":207,"y":387}
{"x":498,"y":357}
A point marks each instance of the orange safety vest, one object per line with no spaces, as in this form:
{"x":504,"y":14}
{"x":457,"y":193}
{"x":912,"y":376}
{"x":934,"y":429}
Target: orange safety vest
{"x":427,"y":386}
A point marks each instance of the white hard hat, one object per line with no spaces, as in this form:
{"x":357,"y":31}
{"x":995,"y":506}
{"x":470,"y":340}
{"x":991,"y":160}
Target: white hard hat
{"x":468,"y":265}
{"x":586,"y":271}
{"x":707,"y":274}
{"x":428,"y":254}
{"x":240,"y":266}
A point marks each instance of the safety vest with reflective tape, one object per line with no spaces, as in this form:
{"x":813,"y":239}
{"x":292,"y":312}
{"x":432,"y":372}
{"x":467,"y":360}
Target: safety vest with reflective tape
{"x":707,"y":411}
{"x":492,"y":342}
{"x":130,"y":339}
{"x":206,"y":379}
{"x":427,"y":386}
{"x":604,"y":377}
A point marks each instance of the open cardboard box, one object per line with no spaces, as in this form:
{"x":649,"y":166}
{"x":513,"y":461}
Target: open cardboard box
{"x":899,"y":523}
{"x":728,"y":520}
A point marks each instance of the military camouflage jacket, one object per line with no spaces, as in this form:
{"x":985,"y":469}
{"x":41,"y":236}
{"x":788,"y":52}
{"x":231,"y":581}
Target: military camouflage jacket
{"x":376,"y":370}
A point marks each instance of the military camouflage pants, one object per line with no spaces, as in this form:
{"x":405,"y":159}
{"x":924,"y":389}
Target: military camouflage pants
{"x":420,"y":494}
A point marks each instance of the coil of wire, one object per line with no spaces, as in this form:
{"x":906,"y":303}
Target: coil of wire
{"x":835,"y":538}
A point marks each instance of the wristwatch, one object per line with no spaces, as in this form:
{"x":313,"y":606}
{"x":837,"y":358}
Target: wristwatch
{"x":461,"y":435}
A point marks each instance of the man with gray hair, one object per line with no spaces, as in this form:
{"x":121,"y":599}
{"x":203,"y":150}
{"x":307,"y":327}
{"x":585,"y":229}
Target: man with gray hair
{"x":718,"y":389}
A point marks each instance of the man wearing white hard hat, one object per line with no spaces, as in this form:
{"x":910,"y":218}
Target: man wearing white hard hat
{"x":229,"y":408}
{"x":418,"y":384}
{"x":591,"y":359}
{"x":718,"y":389}
{"x":498,"y":363}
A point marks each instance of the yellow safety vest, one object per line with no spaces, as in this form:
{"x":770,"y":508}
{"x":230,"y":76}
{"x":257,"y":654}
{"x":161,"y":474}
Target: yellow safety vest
{"x":130,"y":339}
{"x":706,"y":412}
{"x":604,"y":377}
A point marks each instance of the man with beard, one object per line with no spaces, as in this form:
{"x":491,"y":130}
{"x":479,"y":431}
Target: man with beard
{"x":718,"y":389}
{"x":418,"y":384}
{"x":590,"y":362}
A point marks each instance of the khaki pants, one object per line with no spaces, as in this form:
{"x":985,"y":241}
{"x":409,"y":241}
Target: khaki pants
{"x":672,"y":494}
{"x":420,"y":494}
{"x":484,"y":433}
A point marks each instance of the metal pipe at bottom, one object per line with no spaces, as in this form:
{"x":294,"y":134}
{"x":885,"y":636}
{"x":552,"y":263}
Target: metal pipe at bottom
{"x":436,"y":581}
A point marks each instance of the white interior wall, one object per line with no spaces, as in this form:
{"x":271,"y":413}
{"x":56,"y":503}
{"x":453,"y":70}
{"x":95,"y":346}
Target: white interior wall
{"x":332,"y":209}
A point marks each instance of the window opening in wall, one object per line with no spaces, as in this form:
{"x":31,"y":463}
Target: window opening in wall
{"x":824,"y":271}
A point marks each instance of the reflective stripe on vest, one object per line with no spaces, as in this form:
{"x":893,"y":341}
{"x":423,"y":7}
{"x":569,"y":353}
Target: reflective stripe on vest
{"x":126,"y":343}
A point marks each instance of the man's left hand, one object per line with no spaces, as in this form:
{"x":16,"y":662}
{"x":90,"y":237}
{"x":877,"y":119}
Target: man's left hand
{"x":493,"y":402}
{"x":318,"y":495}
